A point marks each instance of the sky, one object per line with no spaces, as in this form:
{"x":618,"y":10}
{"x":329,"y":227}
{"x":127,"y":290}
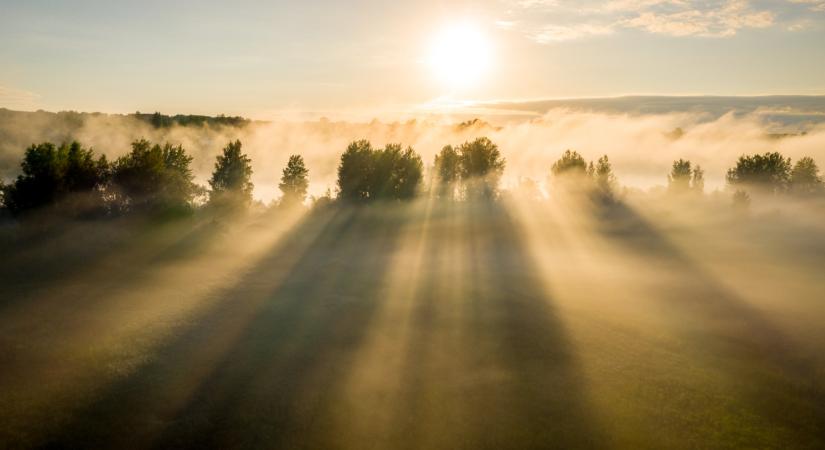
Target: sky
{"x":261,"y":59}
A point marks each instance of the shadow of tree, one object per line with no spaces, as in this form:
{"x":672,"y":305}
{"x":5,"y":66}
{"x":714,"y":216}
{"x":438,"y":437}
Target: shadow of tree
{"x":487,"y":364}
{"x":257,"y":370}
{"x":780,"y":382}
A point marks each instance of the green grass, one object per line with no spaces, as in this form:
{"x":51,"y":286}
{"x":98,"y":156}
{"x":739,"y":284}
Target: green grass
{"x":426,"y":325}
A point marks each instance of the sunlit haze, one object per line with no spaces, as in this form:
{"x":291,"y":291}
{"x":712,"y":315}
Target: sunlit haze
{"x":412,"y":225}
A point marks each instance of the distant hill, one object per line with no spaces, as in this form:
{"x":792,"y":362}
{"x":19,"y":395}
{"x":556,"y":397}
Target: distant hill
{"x":789,"y":110}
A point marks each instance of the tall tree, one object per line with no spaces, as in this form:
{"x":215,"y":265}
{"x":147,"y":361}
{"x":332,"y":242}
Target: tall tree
{"x":294,"y":181}
{"x":231,"y":180}
{"x":355,"y":171}
{"x":697,"y":182}
{"x":448,"y":171}
{"x":604,"y":177}
{"x":680,"y":176}
{"x":805,"y":178}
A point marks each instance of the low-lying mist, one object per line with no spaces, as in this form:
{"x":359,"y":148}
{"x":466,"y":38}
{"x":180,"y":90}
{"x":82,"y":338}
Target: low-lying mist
{"x":641,"y":147}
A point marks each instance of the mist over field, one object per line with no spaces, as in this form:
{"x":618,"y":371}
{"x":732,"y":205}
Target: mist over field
{"x":412,"y":225}
{"x":641,"y":140}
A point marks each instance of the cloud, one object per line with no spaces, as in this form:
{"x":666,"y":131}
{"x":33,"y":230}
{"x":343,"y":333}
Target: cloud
{"x":549,"y":21}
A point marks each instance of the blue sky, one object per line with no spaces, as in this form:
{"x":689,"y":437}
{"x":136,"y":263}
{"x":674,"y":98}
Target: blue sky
{"x":261,"y":58}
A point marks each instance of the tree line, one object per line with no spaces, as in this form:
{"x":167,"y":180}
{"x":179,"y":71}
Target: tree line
{"x":154,"y":177}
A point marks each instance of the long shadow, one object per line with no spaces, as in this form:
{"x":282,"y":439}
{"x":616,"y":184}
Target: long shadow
{"x":87,"y":250}
{"x":513,"y":382}
{"x":792,"y":394}
{"x":259,"y":370}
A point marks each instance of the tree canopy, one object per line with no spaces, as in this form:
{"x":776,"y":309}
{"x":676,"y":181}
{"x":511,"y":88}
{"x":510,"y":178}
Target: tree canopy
{"x":50,"y":174}
{"x":570,"y":163}
{"x":481,"y":167}
{"x":230,"y":180}
{"x":805,"y":178}
{"x":770,"y":172}
{"x":366,"y":174}
{"x":684,"y":177}
{"x":294,"y":181}
{"x":154,"y":177}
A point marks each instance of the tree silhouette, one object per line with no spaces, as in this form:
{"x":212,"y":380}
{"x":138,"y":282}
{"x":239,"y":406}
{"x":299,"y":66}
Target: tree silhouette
{"x":678,"y":181}
{"x":368,"y":174}
{"x":684,"y":178}
{"x":481,"y":167}
{"x":355,"y":171}
{"x":697,"y":182}
{"x":571,"y":163}
{"x":230,"y":180}
{"x":604,"y":178}
{"x":51,"y":174}
{"x":805,"y":178}
{"x":770,"y":172}
{"x":294,"y":181}
{"x":448,"y":171}
{"x":152,"y":177}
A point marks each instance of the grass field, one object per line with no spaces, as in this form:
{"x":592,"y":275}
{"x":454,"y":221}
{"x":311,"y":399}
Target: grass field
{"x":555,"y":324}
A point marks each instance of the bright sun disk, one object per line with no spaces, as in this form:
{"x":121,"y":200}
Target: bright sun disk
{"x":459,"y":56}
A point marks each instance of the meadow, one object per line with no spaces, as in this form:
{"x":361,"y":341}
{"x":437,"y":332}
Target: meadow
{"x":426,"y":324}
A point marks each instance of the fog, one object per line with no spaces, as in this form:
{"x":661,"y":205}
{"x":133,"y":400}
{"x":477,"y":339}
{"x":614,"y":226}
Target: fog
{"x":641,"y":146}
{"x":646,"y":318}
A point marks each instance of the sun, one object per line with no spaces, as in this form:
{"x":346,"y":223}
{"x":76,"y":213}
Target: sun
{"x":459,"y":55}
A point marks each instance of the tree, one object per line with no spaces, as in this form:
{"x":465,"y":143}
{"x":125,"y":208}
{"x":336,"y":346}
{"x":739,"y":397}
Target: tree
{"x":397,"y":172}
{"x":152,"y":177}
{"x":355,"y":171}
{"x":448,"y":171}
{"x":604,"y":178}
{"x":684,"y":178}
{"x":570,"y":163}
{"x":680,"y":176}
{"x":294,"y":181}
{"x":805,"y":178}
{"x":481,"y":167}
{"x":367,"y":174}
{"x":52,"y":174}
{"x":697,"y":182}
{"x":230,"y":180}
{"x":770,"y":172}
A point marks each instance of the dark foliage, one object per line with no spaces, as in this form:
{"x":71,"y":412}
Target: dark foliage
{"x":159,"y":120}
{"x":481,"y":167}
{"x":768,"y":172}
{"x":805,"y":179}
{"x":368,"y":174}
{"x":53,"y":174}
{"x":154,"y":178}
{"x":294,"y":181}
{"x":230,"y":182}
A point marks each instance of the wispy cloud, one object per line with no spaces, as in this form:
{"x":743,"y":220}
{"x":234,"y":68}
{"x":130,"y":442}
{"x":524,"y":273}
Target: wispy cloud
{"x":548,"y":21}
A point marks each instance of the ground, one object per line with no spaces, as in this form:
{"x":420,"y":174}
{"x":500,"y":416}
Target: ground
{"x":432,"y":324}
